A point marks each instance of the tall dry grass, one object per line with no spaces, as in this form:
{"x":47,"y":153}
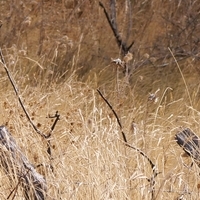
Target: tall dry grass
{"x":89,"y":158}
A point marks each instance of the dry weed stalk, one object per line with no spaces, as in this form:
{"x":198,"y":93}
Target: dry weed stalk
{"x":24,"y":164}
{"x":153,"y":166}
{"x":57,"y":116}
{"x":113,"y":25}
{"x":186,"y":87}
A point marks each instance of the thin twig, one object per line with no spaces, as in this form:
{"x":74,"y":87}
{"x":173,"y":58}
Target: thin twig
{"x":153,"y":166}
{"x":18,"y":96}
{"x":113,"y":25}
{"x":118,"y":121}
{"x":57,"y":118}
{"x":123,"y":134}
{"x":2,"y":61}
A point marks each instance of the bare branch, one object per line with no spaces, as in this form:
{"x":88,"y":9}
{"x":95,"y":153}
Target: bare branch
{"x":153,"y":166}
{"x":18,"y":96}
{"x":129,"y":47}
{"x":57,"y":116}
{"x":129,"y":16}
{"x":118,"y":121}
{"x":113,"y":24}
{"x":113,"y":13}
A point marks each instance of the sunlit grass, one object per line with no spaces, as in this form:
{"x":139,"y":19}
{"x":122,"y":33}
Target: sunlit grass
{"x":89,"y":158}
{"x":58,"y":67}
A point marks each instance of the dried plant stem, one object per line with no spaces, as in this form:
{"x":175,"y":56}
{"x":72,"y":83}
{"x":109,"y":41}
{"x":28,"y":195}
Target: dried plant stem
{"x":113,"y":24}
{"x":153,"y":166}
{"x":57,"y":116}
{"x":118,"y":121}
{"x":186,"y":87}
{"x":18,"y":96}
{"x":159,"y":106}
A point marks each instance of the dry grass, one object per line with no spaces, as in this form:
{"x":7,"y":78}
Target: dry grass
{"x":89,"y":157}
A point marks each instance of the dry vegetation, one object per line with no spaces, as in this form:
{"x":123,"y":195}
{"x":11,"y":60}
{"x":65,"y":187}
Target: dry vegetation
{"x":59,"y":53}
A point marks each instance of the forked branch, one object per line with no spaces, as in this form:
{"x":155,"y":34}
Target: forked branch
{"x":2,"y":61}
{"x":57,"y":116}
{"x":113,"y":25}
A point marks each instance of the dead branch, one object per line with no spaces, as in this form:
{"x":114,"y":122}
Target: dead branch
{"x":14,"y":162}
{"x":153,"y":166}
{"x":57,"y":116}
{"x":113,"y":25}
{"x":128,"y":12}
{"x":190,"y":143}
{"x":18,"y":96}
{"x":118,"y":121}
{"x":113,"y":15}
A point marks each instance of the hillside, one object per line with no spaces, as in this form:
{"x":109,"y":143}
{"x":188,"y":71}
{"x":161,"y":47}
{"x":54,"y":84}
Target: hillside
{"x":59,"y":53}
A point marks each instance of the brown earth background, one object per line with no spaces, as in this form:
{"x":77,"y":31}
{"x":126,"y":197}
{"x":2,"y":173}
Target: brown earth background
{"x":65,"y":36}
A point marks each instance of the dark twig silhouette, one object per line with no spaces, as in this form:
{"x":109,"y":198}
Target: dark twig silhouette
{"x":153,"y":166}
{"x":113,"y":25}
{"x":18,"y":96}
{"x":57,"y":116}
{"x":21,"y":162}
